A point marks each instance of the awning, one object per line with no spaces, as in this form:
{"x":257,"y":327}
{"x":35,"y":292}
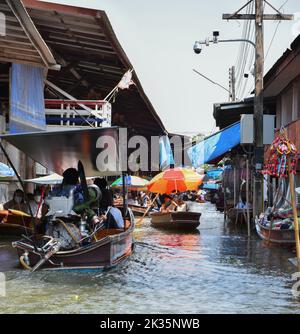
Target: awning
{"x":215,"y":146}
{"x":51,"y":179}
{"x":58,"y":150}
{"x":214,"y":173}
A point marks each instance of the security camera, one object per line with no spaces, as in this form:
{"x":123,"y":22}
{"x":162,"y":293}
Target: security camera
{"x":197,"y":47}
{"x":216,"y":35}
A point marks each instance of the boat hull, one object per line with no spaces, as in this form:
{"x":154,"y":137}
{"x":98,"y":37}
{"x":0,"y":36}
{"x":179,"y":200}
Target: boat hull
{"x":176,"y":220}
{"x":14,"y":225}
{"x":137,"y":209}
{"x":112,"y":247}
{"x":277,"y":237}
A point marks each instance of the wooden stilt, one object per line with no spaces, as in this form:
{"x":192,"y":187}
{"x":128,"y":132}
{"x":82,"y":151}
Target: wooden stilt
{"x":247,"y":197}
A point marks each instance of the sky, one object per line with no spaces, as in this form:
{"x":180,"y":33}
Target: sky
{"x":158,"y":37}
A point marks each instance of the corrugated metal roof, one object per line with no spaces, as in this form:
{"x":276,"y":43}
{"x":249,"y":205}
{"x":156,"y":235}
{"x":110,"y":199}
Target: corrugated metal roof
{"x":84,"y":43}
{"x":22,"y":42}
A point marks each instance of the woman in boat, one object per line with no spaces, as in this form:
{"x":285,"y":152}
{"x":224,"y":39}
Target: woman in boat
{"x":17,"y":202}
{"x":168,"y":205}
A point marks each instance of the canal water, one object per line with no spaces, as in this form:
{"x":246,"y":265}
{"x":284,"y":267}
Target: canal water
{"x":214,"y":270}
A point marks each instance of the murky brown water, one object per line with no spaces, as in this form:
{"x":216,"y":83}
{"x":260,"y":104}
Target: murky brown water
{"x":212,"y":271}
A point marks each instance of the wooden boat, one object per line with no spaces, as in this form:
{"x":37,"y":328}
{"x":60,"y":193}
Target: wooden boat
{"x":15,"y":223}
{"x":110,"y":247}
{"x":279,"y":237}
{"x":137,"y":210}
{"x":91,"y":248}
{"x":176,"y":220}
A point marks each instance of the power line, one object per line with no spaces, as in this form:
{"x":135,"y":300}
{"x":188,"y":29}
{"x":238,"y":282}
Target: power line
{"x":210,"y":80}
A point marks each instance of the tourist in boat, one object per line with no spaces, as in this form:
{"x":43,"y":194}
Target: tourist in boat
{"x":17,"y":202}
{"x":168,"y":205}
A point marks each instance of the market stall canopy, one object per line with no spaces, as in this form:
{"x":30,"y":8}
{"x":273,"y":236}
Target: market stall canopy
{"x":48,"y":179}
{"x":20,"y":41}
{"x":215,"y":146}
{"x":132,"y":182}
{"x":51,"y":179}
{"x":59,"y":150}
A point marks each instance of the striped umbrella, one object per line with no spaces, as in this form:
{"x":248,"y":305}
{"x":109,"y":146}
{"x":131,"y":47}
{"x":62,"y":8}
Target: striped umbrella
{"x":179,"y":179}
{"x":132,"y":183}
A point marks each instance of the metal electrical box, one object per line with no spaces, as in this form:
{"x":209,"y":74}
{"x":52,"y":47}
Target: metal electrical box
{"x":247,"y":129}
{"x":269,"y":129}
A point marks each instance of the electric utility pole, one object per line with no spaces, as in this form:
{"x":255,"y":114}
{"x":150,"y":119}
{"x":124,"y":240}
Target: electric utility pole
{"x":259,"y":18}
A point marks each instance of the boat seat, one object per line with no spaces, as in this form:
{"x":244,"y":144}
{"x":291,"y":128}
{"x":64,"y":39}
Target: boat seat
{"x":111,"y":231}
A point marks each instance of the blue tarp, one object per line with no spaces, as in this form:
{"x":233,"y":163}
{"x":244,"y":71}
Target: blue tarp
{"x":214,"y":173}
{"x":210,"y":186}
{"x":27,"y":99}
{"x":215,"y":146}
{"x":165,"y":153}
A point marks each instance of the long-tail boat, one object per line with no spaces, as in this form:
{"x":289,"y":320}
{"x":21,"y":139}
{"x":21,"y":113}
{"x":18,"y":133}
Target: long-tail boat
{"x":81,"y":241}
{"x":176,"y":220}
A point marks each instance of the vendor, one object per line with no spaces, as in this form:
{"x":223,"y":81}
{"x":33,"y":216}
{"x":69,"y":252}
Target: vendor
{"x":17,"y":203}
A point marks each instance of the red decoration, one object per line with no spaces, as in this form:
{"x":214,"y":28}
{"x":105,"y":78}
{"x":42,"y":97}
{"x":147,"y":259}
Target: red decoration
{"x":282,"y":152}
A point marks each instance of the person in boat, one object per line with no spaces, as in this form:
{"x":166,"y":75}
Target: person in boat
{"x":143,"y":199}
{"x":106,"y":200}
{"x":17,"y":202}
{"x":70,"y":182}
{"x":181,"y":205}
{"x":111,"y":216}
{"x":168,"y":205}
{"x":38,"y":207}
{"x":113,"y":219}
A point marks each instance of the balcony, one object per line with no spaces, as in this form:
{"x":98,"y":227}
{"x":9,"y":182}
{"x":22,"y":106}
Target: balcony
{"x":70,"y":114}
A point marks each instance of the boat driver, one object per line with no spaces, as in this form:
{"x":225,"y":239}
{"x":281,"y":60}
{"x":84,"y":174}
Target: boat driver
{"x":70,"y":181}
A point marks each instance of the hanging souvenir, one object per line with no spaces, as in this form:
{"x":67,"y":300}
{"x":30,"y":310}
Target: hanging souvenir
{"x":282,"y":151}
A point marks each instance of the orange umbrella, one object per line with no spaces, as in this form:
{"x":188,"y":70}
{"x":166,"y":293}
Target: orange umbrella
{"x":179,"y":179}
